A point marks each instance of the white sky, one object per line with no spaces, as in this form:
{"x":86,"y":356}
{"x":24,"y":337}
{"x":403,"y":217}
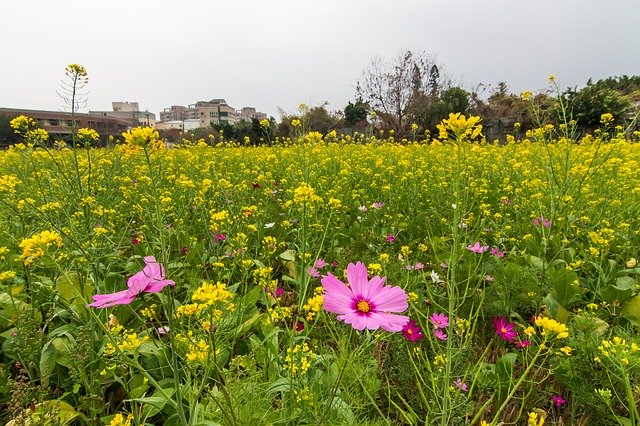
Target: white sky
{"x":278,"y":53}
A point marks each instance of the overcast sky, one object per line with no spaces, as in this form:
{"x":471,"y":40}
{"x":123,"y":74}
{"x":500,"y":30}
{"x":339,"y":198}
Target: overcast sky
{"x":271,"y":54}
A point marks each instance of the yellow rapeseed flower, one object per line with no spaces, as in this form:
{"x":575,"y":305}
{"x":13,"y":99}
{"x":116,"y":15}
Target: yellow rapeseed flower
{"x":36,"y":245}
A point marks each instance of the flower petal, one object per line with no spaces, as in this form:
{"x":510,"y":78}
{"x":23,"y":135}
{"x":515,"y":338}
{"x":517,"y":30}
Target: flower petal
{"x":153,"y":268}
{"x":157,"y":286}
{"x":373,"y":287}
{"x":360,"y":322}
{"x":337,"y":298}
{"x":390,"y":299}
{"x":123,"y":297}
{"x":357,"y":321}
{"x":390,"y":322}
{"x":357,"y":277}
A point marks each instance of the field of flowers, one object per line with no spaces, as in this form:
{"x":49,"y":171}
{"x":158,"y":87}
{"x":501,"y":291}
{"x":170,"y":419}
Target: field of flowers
{"x":235,"y":285}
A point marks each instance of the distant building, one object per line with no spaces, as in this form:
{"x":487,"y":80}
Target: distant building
{"x":59,"y":123}
{"x":250,"y":113}
{"x":125,"y":106}
{"x":175,"y":112}
{"x":183,"y":125}
{"x":207,"y":113}
{"x":129,"y":111}
{"x":215,"y":111}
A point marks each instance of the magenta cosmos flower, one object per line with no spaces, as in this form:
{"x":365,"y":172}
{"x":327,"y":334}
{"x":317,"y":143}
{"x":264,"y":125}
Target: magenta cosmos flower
{"x":365,"y":303}
{"x":150,"y":280}
{"x":412,"y":331}
{"x":505,"y":329}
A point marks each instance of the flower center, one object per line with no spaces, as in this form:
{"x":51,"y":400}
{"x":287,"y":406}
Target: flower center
{"x":409,"y":331}
{"x":503,"y":330}
{"x":363,"y":306}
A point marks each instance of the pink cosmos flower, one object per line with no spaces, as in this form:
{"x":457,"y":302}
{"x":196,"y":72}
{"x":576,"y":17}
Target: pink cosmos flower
{"x":313,"y":272}
{"x":524,"y":343}
{"x":477,"y":248}
{"x":365,"y":303}
{"x":391,"y":238}
{"x":461,"y":385}
{"x":558,"y":400}
{"x":505,"y":329}
{"x":541,"y":220}
{"x":439,"y":320}
{"x":320,"y":263}
{"x":497,"y":253}
{"x":219,"y":237}
{"x":150,"y":280}
{"x":378,"y":205}
{"x":441,"y":335}
{"x":412,"y":332}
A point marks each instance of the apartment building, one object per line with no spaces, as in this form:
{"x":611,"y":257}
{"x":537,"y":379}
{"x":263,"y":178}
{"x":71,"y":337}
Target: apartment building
{"x":250,"y":113}
{"x":129,"y":111}
{"x":215,"y":111}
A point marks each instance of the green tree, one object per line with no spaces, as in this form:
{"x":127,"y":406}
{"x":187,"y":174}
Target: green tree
{"x":355,"y":113}
{"x":593,"y":100}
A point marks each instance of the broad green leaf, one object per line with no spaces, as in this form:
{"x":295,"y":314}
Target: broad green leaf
{"x":288,"y":255}
{"x":64,"y":414}
{"x":47,"y":362}
{"x":625,"y":283}
{"x":631,"y":311}
{"x":281,"y":385}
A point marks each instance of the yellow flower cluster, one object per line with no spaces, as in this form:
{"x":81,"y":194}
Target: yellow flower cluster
{"x":142,"y":137}
{"x":606,"y":118}
{"x":461,"y":127}
{"x":7,"y":275}
{"x":550,"y":326}
{"x":8,"y":183}
{"x":374,"y":268}
{"x":218,"y":219}
{"x":120,"y":420}
{"x":36,"y":245}
{"x":299,"y":359}
{"x":535,"y":419}
{"x":131,"y":342}
{"x":206,"y":296}
{"x":619,"y":351}
{"x":305,"y":194}
{"x":87,"y":136}
{"x":314,"y":304}
{"x":278,"y":314}
{"x":198,"y":351}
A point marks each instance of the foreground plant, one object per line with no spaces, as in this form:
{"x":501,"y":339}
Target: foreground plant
{"x":365,"y":303}
{"x":150,"y":280}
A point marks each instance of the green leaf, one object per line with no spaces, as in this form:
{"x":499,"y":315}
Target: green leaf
{"x":631,"y":311}
{"x":625,"y":283}
{"x":155,"y":403}
{"x":536,"y":262}
{"x":64,"y":414}
{"x":281,"y":385}
{"x":288,"y":255}
{"x":505,"y":367}
{"x":47,"y":362}
{"x":566,"y":289}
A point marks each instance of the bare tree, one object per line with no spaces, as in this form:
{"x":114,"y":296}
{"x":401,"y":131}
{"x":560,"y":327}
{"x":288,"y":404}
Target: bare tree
{"x":390,"y":87}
